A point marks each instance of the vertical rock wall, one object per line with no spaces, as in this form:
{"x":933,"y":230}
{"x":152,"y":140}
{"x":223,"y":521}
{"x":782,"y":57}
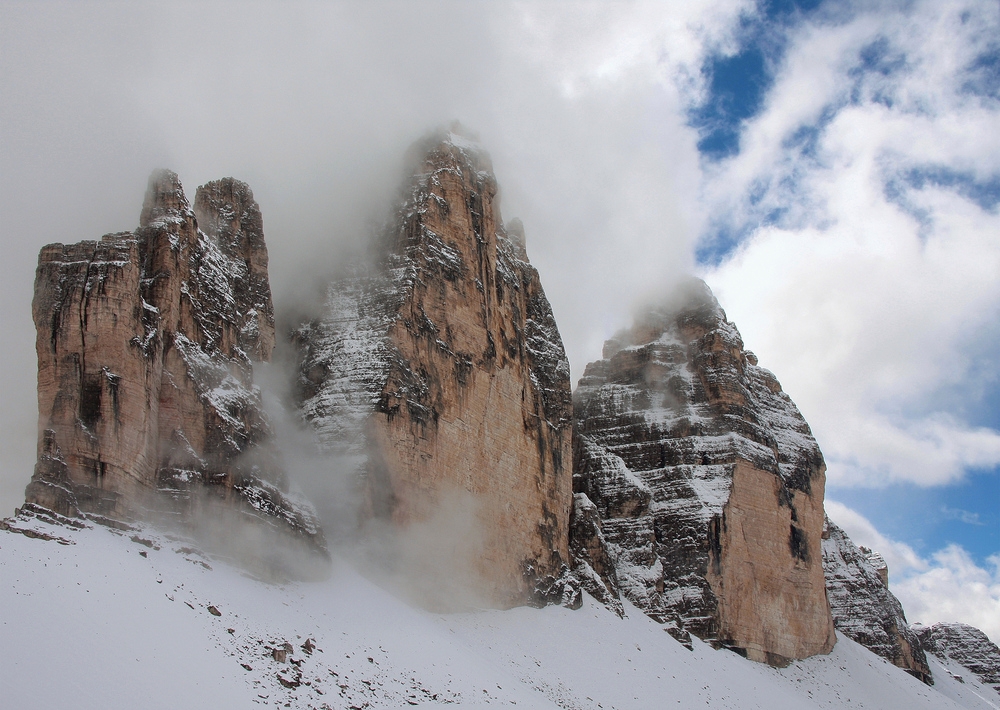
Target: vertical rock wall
{"x":442,"y":370}
{"x":145,"y":346}
{"x":93,"y":378}
{"x":863,"y":607}
{"x":708,"y":483}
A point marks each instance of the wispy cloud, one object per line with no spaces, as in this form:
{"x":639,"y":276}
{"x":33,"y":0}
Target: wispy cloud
{"x":963,"y":516}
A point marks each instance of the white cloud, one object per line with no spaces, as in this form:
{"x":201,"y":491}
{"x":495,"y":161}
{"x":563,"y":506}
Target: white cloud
{"x":954,"y":588}
{"x":866,"y":304}
{"x":949,"y":586}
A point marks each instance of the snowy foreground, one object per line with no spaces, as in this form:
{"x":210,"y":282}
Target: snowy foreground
{"x":140,"y":620}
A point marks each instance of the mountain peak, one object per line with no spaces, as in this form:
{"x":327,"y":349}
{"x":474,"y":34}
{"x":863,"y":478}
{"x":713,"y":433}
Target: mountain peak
{"x":165,"y":199}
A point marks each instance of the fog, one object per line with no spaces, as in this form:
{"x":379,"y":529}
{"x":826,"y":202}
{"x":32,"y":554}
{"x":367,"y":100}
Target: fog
{"x":434,"y":562}
{"x":314,"y":106}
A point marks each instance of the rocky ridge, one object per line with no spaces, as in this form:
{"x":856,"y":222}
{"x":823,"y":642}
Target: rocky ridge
{"x":146,"y":342}
{"x":966,"y":645}
{"x":863,"y":608}
{"x":438,"y":371}
{"x":707,"y":483}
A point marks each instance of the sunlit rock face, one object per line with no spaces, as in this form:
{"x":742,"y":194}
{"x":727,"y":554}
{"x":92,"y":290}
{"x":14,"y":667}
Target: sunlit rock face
{"x":440,"y":370}
{"x":857,"y":584}
{"x":967,"y":646}
{"x":708,"y":483}
{"x":145,"y":345}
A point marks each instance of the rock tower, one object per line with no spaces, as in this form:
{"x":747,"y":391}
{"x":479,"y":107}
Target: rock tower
{"x":146,"y":342}
{"x":707,"y":483}
{"x":438,"y":367}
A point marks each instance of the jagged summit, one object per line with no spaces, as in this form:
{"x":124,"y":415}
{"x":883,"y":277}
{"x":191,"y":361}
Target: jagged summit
{"x":440,"y":367}
{"x":145,"y":345}
{"x":708,"y":482}
{"x":165,"y":200}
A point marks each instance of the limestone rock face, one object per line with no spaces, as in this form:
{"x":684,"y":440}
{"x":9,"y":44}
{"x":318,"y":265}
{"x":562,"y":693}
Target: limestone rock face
{"x":145,"y":345}
{"x":965,"y":645}
{"x":708,"y":482}
{"x":594,"y":568}
{"x":863,"y":607}
{"x":441,"y":369}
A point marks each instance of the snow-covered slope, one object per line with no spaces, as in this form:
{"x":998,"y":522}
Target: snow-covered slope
{"x":126,"y":620}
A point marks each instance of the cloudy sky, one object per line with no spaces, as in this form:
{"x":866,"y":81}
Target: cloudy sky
{"x":831,"y":168}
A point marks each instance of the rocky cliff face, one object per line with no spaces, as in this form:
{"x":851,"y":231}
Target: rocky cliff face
{"x":857,"y":584}
{"x":707,"y":482}
{"x":441,"y":370}
{"x":145,"y":345}
{"x":967,"y":646}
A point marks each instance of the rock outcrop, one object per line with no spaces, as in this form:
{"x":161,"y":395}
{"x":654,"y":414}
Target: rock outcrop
{"x":965,"y":645}
{"x":863,"y":608}
{"x":146,"y":342}
{"x":708,"y":483}
{"x":441,"y":370}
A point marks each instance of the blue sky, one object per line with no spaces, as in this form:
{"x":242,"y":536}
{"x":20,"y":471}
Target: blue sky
{"x":930,"y":518}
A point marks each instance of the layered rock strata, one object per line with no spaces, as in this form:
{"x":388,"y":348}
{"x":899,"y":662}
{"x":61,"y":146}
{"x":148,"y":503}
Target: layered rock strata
{"x":146,"y":342}
{"x":707,"y":482}
{"x":863,"y":608}
{"x":440,"y":370}
{"x":965,"y":645}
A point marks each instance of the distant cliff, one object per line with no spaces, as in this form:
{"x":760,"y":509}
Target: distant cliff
{"x":857,"y":583}
{"x":707,"y":484}
{"x":965,"y":645}
{"x":439,"y":366}
{"x":146,"y":342}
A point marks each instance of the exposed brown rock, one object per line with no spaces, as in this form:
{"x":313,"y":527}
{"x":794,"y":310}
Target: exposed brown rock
{"x":145,"y":345}
{"x":863,"y":607}
{"x":442,"y":368}
{"x":708,"y":483}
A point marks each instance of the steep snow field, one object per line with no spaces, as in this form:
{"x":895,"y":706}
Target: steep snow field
{"x":140,"y":619}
